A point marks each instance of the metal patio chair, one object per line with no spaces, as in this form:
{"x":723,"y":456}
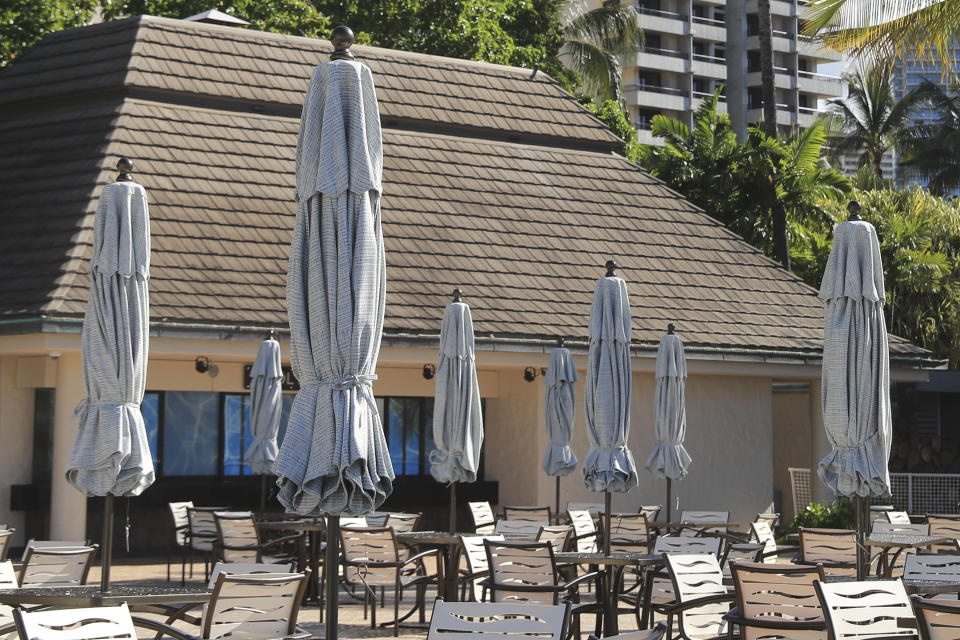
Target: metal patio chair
{"x":56,"y":566}
{"x":776,"y":601}
{"x":497,"y":621}
{"x":866,"y":610}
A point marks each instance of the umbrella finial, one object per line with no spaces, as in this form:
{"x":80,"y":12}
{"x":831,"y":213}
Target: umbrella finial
{"x":560,"y":341}
{"x":670,"y":328}
{"x":853,"y":208}
{"x":457,"y":295}
{"x":341,"y":39}
{"x":272,"y":334}
{"x":611,"y":268}
{"x":124,"y":166}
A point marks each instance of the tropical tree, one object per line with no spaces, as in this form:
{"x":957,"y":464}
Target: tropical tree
{"x":931,"y":149}
{"x":24,"y":22}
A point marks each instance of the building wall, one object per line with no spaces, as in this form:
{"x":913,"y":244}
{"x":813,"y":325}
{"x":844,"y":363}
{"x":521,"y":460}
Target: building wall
{"x":16,"y":434}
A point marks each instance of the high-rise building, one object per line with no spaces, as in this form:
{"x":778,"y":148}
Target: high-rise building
{"x":694,"y":46}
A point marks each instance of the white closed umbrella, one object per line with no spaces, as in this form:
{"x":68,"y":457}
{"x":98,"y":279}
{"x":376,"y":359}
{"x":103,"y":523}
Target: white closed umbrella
{"x":856,"y":368}
{"x":457,"y":419}
{"x":334,"y":457}
{"x":266,"y":405}
{"x":609,"y":466}
{"x":559,"y":403}
{"x":669,"y":459}
{"x":111,"y":454}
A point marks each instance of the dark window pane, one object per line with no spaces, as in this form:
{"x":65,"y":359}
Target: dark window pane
{"x":404,"y":438}
{"x":428,"y":442}
{"x":236,"y":432}
{"x":150,"y":408}
{"x":190,"y":433}
{"x":285,"y":415}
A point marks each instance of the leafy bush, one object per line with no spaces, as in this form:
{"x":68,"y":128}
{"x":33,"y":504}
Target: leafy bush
{"x":836,"y":515}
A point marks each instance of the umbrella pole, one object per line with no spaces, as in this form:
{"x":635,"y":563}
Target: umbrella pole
{"x":606,"y":523}
{"x":861,"y":512}
{"x":453,"y":507}
{"x":557,"y":512}
{"x":668,"y":499}
{"x":107,"y":539}
{"x":332,"y":569}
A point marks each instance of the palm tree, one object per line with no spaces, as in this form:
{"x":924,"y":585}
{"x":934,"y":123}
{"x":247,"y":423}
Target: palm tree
{"x":870,"y":121}
{"x":931,"y":149}
{"x":594,"y":43}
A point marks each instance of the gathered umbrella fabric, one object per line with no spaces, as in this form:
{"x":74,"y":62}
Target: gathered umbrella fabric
{"x":560,"y":381}
{"x":609,"y":465}
{"x":111,"y":453}
{"x":457,"y":420}
{"x":266,"y":404}
{"x":334,"y":457}
{"x":856,"y":365}
{"x":669,"y":458}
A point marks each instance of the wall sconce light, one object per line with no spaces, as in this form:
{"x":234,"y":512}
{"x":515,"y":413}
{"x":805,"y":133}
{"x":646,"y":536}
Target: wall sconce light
{"x":202,"y":364}
{"x":429,"y":371}
{"x":529,"y":374}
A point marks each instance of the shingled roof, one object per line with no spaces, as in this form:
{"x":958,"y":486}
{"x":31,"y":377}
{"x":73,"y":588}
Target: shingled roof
{"x":495,"y":180}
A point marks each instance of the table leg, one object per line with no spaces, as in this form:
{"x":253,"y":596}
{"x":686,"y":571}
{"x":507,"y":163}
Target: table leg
{"x":451,"y":560}
{"x":611,"y":622}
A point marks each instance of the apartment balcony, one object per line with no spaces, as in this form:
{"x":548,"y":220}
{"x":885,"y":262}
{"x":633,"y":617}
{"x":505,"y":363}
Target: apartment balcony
{"x":820,"y":84}
{"x":808,"y":48}
{"x":709,"y":29}
{"x":700,"y":96}
{"x":656,"y":21}
{"x":786,"y":115}
{"x":654,"y":97}
{"x":806,"y":116}
{"x":783,"y":78}
{"x":663,"y":60}
{"x":709,"y":66}
{"x":785,"y":8}
{"x":644,"y":136}
{"x":783,"y":42}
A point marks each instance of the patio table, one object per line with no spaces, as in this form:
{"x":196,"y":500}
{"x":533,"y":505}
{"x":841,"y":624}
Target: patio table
{"x":887,"y":541}
{"x":312,"y":527}
{"x":451,"y":556}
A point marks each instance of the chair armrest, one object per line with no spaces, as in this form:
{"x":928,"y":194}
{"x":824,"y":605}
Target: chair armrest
{"x":576,"y":581}
{"x":421,"y":556}
{"x":733,"y":616}
{"x":656,"y":633}
{"x":780,"y":551}
{"x":296,"y":536}
{"x":697,"y":602}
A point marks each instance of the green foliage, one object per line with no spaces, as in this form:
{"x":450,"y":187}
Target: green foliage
{"x":24,"y":22}
{"x":836,"y":515}
{"x":294,"y":17}
{"x":931,"y":149}
{"x":613,"y":115}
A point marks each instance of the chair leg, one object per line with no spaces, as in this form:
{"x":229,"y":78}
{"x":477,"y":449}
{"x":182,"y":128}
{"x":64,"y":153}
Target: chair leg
{"x":373,"y":607}
{"x":396,"y":605}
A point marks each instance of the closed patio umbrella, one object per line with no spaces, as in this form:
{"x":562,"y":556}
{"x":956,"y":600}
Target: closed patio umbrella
{"x":559,"y":402}
{"x":334,"y":457}
{"x":609,"y":466}
{"x":111,"y":454}
{"x":669,"y":459}
{"x":266,"y":404}
{"x":457,"y":421}
{"x":856,"y":369}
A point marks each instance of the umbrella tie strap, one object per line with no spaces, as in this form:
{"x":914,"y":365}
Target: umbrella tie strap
{"x":345,"y":382}
{"x":84,"y":404}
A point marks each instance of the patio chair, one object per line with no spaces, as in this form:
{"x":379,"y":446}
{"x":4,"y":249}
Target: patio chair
{"x":657,"y":585}
{"x":519,"y":529}
{"x":371,"y":558}
{"x":402,"y":522}
{"x":255,"y":606}
{"x":557,"y":535}
{"x":932,"y":566}
{"x":483,"y":519}
{"x":93,"y":623}
{"x":776,"y":601}
{"x":202,"y":535}
{"x":944,"y":526}
{"x":497,"y":620}
{"x":898,"y":517}
{"x":629,"y":532}
{"x":702,"y":600}
{"x":772,"y":519}
{"x":835,"y":549}
{"x":593,"y":508}
{"x":657,"y":633}
{"x":179,"y":537}
{"x":56,"y":566}
{"x":762,"y":534}
{"x":533,"y":514}
{"x":6,"y":537}
{"x":376,"y":519}
{"x":45,"y":544}
{"x":937,"y":619}
{"x":739,"y":552}
{"x":893,"y":558}
{"x":652,"y":511}
{"x":8,"y":575}
{"x":239,"y":540}
{"x":882,"y":526}
{"x":475,"y":555}
{"x":585,"y":535}
{"x":687,"y":544}
{"x":866,"y":610}
{"x":720,"y":517}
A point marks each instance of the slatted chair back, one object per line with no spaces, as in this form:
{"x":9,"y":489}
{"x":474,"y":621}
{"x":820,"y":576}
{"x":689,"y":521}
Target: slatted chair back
{"x":938,"y":619}
{"x":94,"y":623}
{"x":6,"y":537}
{"x":43,"y":544}
{"x":532,"y":514}
{"x":907,"y":528}
{"x":739,"y":552}
{"x":629,"y":532}
{"x":519,"y":529}
{"x":366,"y":548}
{"x":697,"y":575}
{"x":483,"y":519}
{"x":239,"y":538}
{"x":203,"y":529}
{"x":938,"y":566}
{"x":8,"y":576}
{"x":652,"y":511}
{"x":762,"y":533}
{"x":374,"y":519}
{"x":584,"y":530}
{"x":687,"y":544}
{"x":898,"y":517}
{"x":250,"y":568}
{"x":497,"y":621}
{"x":778,"y":592}
{"x":593,"y":508}
{"x":56,"y":566}
{"x":835,"y":548}
{"x":772,"y":519}
{"x":403,"y":522}
{"x":517,"y":569}
{"x":557,"y":535}
{"x":254,"y":606}
{"x":476,"y":556}
{"x":357,"y":522}
{"x":867,"y":609}
{"x":181,"y":521}
{"x":944,"y":526}
{"x":707,"y":517}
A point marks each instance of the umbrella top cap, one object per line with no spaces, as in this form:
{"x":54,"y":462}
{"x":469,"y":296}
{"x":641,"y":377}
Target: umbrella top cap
{"x":457,"y":295}
{"x":853,"y":208}
{"x":670,"y":328}
{"x":124,"y":166}
{"x":341,"y":39}
{"x":611,"y":268}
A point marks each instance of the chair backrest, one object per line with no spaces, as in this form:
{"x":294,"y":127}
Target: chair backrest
{"x":519,"y":529}
{"x":42,"y":544}
{"x":652,"y":511}
{"x":6,"y":537}
{"x":629,"y":532}
{"x":697,"y":575}
{"x":800,"y":489}
{"x":772,"y":519}
{"x":92,"y":623}
{"x":864,"y":610}
{"x":829,"y":546}
{"x":740,"y":552}
{"x":517,"y":569}
{"x":356,"y":522}
{"x":708,"y":517}
{"x":898,"y":517}
{"x":762,"y":533}
{"x":594,"y":508}
{"x":374,"y":519}
{"x":781,"y":592}
{"x":363,"y":549}
{"x":497,"y":621}
{"x":938,"y":619}
{"x":403,"y":522}
{"x":8,"y":576}
{"x":476,"y":556}
{"x":937,"y":566}
{"x":944,"y":526}
{"x":584,"y":530}
{"x":687,"y":544}
{"x":247,"y":568}
{"x":203,"y":528}
{"x":56,"y":566}
{"x":880,"y":526}
{"x":254,"y":606}
{"x":534,"y":514}
{"x":181,"y":521}
{"x":483,"y":519}
{"x":557,"y":535}
{"x":238,"y":535}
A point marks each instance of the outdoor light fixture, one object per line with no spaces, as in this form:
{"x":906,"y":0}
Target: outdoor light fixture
{"x":202,"y":364}
{"x":429,"y":371}
{"x":529,"y":374}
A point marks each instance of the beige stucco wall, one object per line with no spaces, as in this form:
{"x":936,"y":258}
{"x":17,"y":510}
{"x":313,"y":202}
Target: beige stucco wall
{"x":792,"y":441}
{"x":16,"y":436}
